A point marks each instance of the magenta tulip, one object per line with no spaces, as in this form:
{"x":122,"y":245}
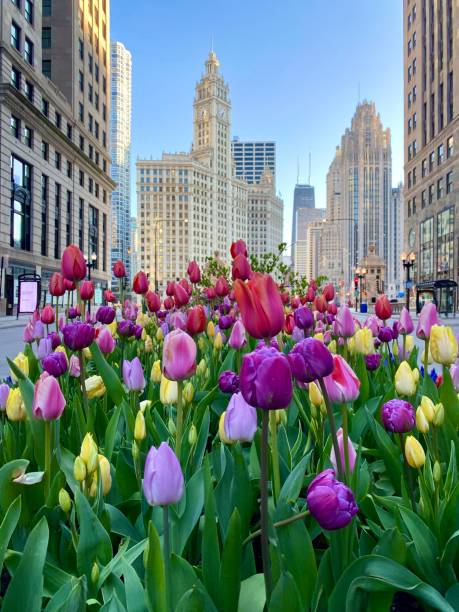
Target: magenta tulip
{"x":48,"y":400}
{"x":427,"y":318}
{"x":105,"y":341}
{"x":344,"y":322}
{"x":179,"y":355}
{"x":342,"y":384}
{"x":406,"y":325}
{"x":237,"y":337}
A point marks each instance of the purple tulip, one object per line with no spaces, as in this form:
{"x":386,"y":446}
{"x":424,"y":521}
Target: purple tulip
{"x":385,"y":334}
{"x":133,"y":375}
{"x":179,"y":355}
{"x":427,"y":318}
{"x":55,"y":340}
{"x":44,"y":348}
{"x":310,"y":359}
{"x":225,"y":321}
{"x":396,"y":330}
{"x":303,"y":318}
{"x":105,"y":314}
{"x":372,"y":361}
{"x":330,"y":501}
{"x":320,"y":327}
{"x":90,"y":317}
{"x":240,"y":419}
{"x":161,"y":314}
{"x":105,"y":341}
{"x":225,"y":307}
{"x":297,"y":334}
{"x":164,"y":328}
{"x":4,"y":392}
{"x":125,"y":328}
{"x":237,"y":337}
{"x":398,"y":416}
{"x":405,"y":322}
{"x":130,"y":310}
{"x":38,"y":330}
{"x":74,"y":366}
{"x":163,"y":478}
{"x":27,"y":335}
{"x":178,"y":320}
{"x":137,"y":329}
{"x":74,"y":312}
{"x":55,"y":364}
{"x":344,"y":322}
{"x":228,"y":382}
{"x":78,"y":335}
{"x":266,"y":379}
{"x":373,"y":323}
{"x":48,"y":401}
{"x":454,"y":371}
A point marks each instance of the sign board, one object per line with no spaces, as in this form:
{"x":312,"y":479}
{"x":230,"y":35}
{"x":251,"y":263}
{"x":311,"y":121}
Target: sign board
{"x":98,"y":296}
{"x":409,"y":284}
{"x":29,"y":293}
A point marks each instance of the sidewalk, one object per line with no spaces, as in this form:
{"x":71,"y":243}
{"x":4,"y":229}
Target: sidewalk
{"x":9,"y":322}
{"x":451,"y":321}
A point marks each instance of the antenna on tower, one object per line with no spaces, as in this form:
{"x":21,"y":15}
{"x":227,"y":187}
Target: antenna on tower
{"x":212,"y":43}
{"x":309,"y":177}
{"x":297,"y":170}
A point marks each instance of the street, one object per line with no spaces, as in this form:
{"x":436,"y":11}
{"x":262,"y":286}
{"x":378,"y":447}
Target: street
{"x":10,"y":344}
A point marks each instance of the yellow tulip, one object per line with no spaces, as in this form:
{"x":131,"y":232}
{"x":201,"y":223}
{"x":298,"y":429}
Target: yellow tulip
{"x":202,"y":367}
{"x":416,"y":375}
{"x":422,"y":423}
{"x":104,"y":467}
{"x":79,"y":469}
{"x":315,"y":395}
{"x":61,"y":349}
{"x":15,"y":409}
{"x":428,"y":408}
{"x":218,"y":341}
{"x":156,"y":374}
{"x":192,"y":435}
{"x":159,"y":334}
{"x":112,"y":327}
{"x":168,"y":391}
{"x":443,"y":344}
{"x":140,"y":431}
{"x":142,"y":319}
{"x":332,"y":346}
{"x":210,"y":329}
{"x":88,"y":453}
{"x":94,"y":386}
{"x":414,"y":453}
{"x":201,"y":343}
{"x":221,"y":430}
{"x":351,"y":346}
{"x":22,"y":363}
{"x":188,"y":392}
{"x":144,"y":404}
{"x":281,"y":416}
{"x":405,"y":380}
{"x":439,"y":416}
{"x":64,"y":501}
{"x":363,"y":341}
{"x":148,"y":344}
{"x":87,"y":353}
{"x":319,"y":336}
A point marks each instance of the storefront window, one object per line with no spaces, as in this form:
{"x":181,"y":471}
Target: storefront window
{"x":445,"y":242}
{"x":426,"y":249}
{"x":20,"y":204}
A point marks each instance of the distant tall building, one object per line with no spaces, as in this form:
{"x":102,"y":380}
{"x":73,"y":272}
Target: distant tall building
{"x":313,"y":239}
{"x":359,"y":192}
{"x":54,"y":107}
{"x":304,"y":218}
{"x":303,"y":197}
{"x":120,"y":149}
{"x":265,"y":217}
{"x":431,"y":64}
{"x":134,"y":249}
{"x":394,"y":268}
{"x":251,"y":158}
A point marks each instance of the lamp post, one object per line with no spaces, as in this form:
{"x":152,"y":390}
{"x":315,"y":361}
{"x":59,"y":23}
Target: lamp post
{"x":408,"y":260}
{"x":91,"y":263}
{"x":361,"y":273}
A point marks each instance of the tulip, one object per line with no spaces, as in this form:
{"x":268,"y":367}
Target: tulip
{"x":69,"y":285}
{"x":352,"y":455}
{"x":289,"y":324}
{"x":168,"y":391}
{"x":94,"y":386}
{"x":373,"y":361}
{"x":79,"y":469}
{"x":221,"y":287}
{"x":87,"y":290}
{"x":188,"y":393}
{"x":179,"y":355}
{"x":320,"y":304}
{"x":74,"y":312}
{"x":427,"y":318}
{"x":342,"y":384}
{"x":221,"y":430}
{"x":385,"y":335}
{"x":155,"y":375}
{"x":163,"y":479}
{"x":56,"y":286}
{"x":140,"y":430}
{"x":196,"y":320}
{"x":345,"y":322}
{"x":443,"y":344}
{"x":125,"y":328}
{"x":78,"y":335}
{"x":332,"y":309}
{"x":56,"y":363}
{"x":240,"y":421}
{"x":237,"y":337}
{"x":383,"y":308}
{"x":406,"y":322}
{"x":454,"y":371}
{"x":47,"y":315}
{"x":329,"y":292}
{"x":422,"y":424}
{"x":119,"y":270}
{"x":105,"y":476}
{"x":27,"y":334}
{"x":363,"y":341}
{"x":303,"y":318}
{"x":225,"y":321}
{"x":310,"y":359}
{"x":330,"y":501}
{"x":88,"y":453}
{"x":218,"y":341}
{"x":210,"y":294}
{"x":373,"y":324}
{"x":398,"y":416}
{"x":22,"y":363}
{"x":439,"y":415}
{"x":140,"y":283}
{"x":38,"y":330}
{"x":181,"y":297}
{"x":105,"y":314}
{"x":4,"y":392}
{"x":315,"y":395}
{"x":73,"y":264}
{"x":265,"y":379}
{"x":64,"y":501}
{"x":45,"y":346}
{"x":194,"y":272}
{"x":74,"y":366}
{"x":238,"y":248}
{"x":15,"y":409}
{"x":428,"y":408}
{"x":133,"y":375}
{"x":153,"y":301}
{"x":405,"y":380}
{"x":48,"y":400}
{"x":105,"y":341}
{"x":228,"y":382}
{"x":414,"y":453}
{"x":168,"y":303}
{"x":241,"y":268}
{"x":261,"y":306}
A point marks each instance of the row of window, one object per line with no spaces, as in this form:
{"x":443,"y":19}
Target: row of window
{"x":445,"y":244}
{"x":436,"y":158}
{"x":28,"y":9}
{"x":411,"y":17}
{"x":443,"y":186}
{"x":25,"y":47}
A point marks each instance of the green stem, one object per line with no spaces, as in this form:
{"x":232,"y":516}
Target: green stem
{"x":407,"y":471}
{"x":287,"y":521}
{"x":331,"y":420}
{"x":344,"y":418}
{"x":264,"y":503}
{"x":83,"y":385}
{"x":179,"y":428}
{"x":167,"y":555}
{"x":47,"y":458}
{"x":274,"y":454}
{"x":426,"y":357}
{"x":404,"y":346}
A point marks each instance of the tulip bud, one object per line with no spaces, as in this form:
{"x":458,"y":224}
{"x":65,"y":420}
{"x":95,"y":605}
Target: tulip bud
{"x":155,"y":375}
{"x":218,"y":341}
{"x":439,"y":415}
{"x":135,"y":450}
{"x":15,"y":408}
{"x":428,"y":408}
{"x":79,"y":469}
{"x":140,"y":431}
{"x":422,"y":423}
{"x":332,"y":347}
{"x":144,"y":404}
{"x":188,"y":393}
{"x":148,"y":344}
{"x":202,"y":367}
{"x":414,"y":453}
{"x":201,"y":343}
{"x":87,"y":353}
{"x":210,"y":329}
{"x":159,"y":334}
{"x":314,"y":411}
{"x":221,"y":430}
{"x":315,"y":395}
{"x":94,"y":573}
{"x":171,"y":426}
{"x":64,"y":501}
{"x":88,"y":453}
{"x":436,"y":472}
{"x":281,"y":417}
{"x":192,"y":435}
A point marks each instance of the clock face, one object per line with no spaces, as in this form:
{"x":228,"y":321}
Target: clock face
{"x":204,"y":114}
{"x":411,"y":238}
{"x":221,"y":113}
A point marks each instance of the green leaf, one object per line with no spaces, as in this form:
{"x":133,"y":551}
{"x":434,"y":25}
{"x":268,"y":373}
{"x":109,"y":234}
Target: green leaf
{"x":285,"y":596}
{"x":362,"y":374}
{"x":135,"y":594}
{"x":448,"y":398}
{"x":9,"y":490}
{"x":71,"y":597}
{"x":54,"y":577}
{"x":25,"y":590}
{"x":229,"y":363}
{"x":191,"y":601}
{"x":110,"y":433}
{"x":452,"y":596}
{"x":113,"y":605}
{"x":210,"y":547}
{"x":193,"y":501}
{"x":94,"y":542}
{"x":389,"y":451}
{"x":8,"y":526}
{"x":183,"y":578}
{"x":392,"y":545}
{"x":111,"y":379}
{"x":155,"y":577}
{"x":253,"y":595}
{"x":230,"y":570}
{"x":292,"y":486}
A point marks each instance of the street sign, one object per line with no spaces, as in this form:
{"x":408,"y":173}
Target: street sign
{"x":29,"y":293}
{"x":409,"y":284}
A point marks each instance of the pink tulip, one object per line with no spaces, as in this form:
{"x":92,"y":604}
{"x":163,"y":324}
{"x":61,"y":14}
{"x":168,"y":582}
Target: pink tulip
{"x":74,"y":366}
{"x":47,"y":315}
{"x":48,"y":400}
{"x":345,"y":323}
{"x":427,"y":319}
{"x":105,"y":341}
{"x":342,"y":384}
{"x":179,"y":355}
{"x":373,"y":323}
{"x":406,"y":322}
{"x":351,"y":451}
{"x":133,"y":375}
{"x":27,"y":335}
{"x":237,"y":337}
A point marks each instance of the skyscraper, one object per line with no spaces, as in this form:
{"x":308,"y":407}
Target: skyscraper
{"x":394,"y":271}
{"x":120,"y":149}
{"x":265,"y":216}
{"x":431,"y":57}
{"x":303,"y":197}
{"x":251,"y":158}
{"x":54,"y":104}
{"x":304,"y":218}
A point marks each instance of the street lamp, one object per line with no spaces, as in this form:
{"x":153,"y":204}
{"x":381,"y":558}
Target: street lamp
{"x":91,"y":263}
{"x":361,"y":273}
{"x":408,"y":260}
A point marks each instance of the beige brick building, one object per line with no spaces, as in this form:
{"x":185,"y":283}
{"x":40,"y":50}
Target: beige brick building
{"x":54,"y":163}
{"x":265,"y":216}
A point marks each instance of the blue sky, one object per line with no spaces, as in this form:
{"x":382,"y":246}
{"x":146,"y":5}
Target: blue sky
{"x":293,"y":67}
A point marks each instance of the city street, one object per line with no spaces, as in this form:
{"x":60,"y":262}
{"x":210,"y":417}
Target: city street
{"x":10,"y":343}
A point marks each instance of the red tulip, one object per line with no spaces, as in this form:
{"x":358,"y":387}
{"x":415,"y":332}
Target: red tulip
{"x":73,"y":264}
{"x":383,"y":308}
{"x":119,"y":269}
{"x":332,"y":308}
{"x":109,"y":296}
{"x":329,"y":292}
{"x":47,"y":315}
{"x":196,"y":321}
{"x":285,"y":297}
{"x":69,"y":285}
{"x":320,"y":304}
{"x":170,"y":289}
{"x":194,"y":272}
{"x":310,"y":294}
{"x":260,"y":305}
{"x":168,"y":303}
{"x":295,"y":302}
{"x":153,"y":301}
{"x":56,"y":285}
{"x":313,"y":285}
{"x":140,"y":283}
{"x":221,"y":287}
{"x":289,"y":324}
{"x":241,"y":267}
{"x":181,"y":296}
{"x":303,"y":300}
{"x":87,"y":290}
{"x":238,"y":248}
{"x":186,"y":285}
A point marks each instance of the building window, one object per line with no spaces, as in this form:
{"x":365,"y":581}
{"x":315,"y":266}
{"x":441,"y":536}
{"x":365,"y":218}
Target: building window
{"x":68,"y":225}
{"x":69,"y":131}
{"x":96,"y":72}
{"x":90,"y":185}
{"x":96,"y":101}
{"x":431,"y":193}
{"x":440,"y":190}
{"x":28,"y":137}
{"x":28,"y":51}
{"x":90,"y":122}
{"x":93,"y":231}
{"x":45,"y":107}
{"x":445,"y":240}
{"x":96,"y":130}
{"x":449,"y":182}
{"x":80,"y":224}
{"x":81,"y":112}
{"x":81,"y":49}
{"x":90,"y":63}
{"x":414,"y":177}
{"x":15,"y":127}
{"x":44,"y":215}
{"x":46,"y":38}
{"x":17,"y":3}
{"x":104,"y":139}
{"x":44,"y":150}
{"x":21,"y":182}
{"x":440,"y":154}
{"x":57,"y":216}
{"x":46,"y":8}
{"x":58,"y":120}
{"x":46,"y":68}
{"x":69,"y":169}
{"x":16,"y":36}
{"x":15,"y":78}
{"x":81,"y":143}
{"x":104,"y":242}
{"x":81,"y":178}
{"x":409,"y":152}
{"x":90,"y":90}
{"x":423,"y":199}
{"x":57,"y":161}
{"x":431,"y":161}
{"x":426,"y":248}
{"x":409,"y":179}
{"x":28,"y":89}
{"x":81,"y":81}
{"x":424,"y":168}
{"x":450,"y":146}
